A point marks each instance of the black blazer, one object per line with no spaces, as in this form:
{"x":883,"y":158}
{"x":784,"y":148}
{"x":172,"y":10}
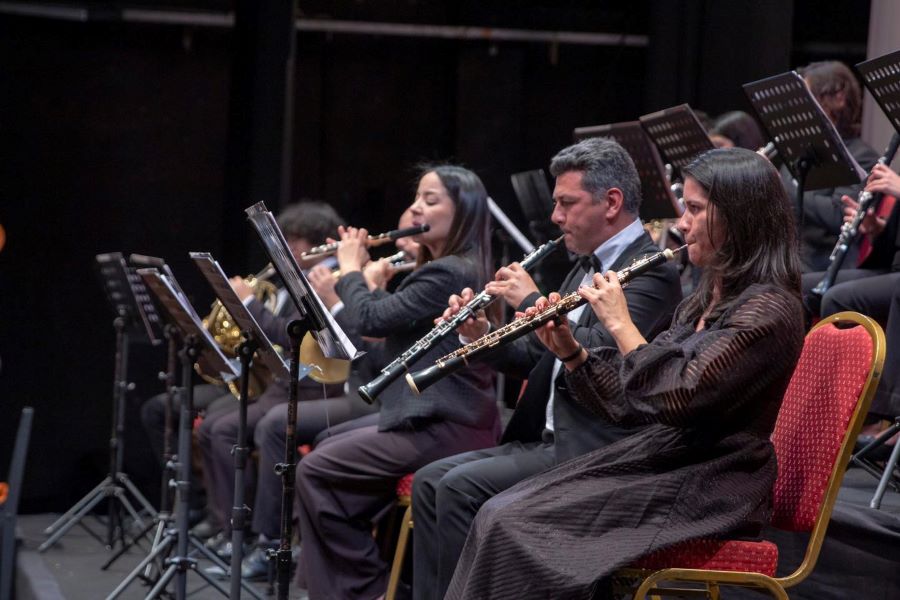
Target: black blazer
{"x":652,"y":298}
{"x":465,"y":397}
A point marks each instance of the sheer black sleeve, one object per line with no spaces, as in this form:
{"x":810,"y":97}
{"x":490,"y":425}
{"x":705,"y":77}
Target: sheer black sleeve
{"x":704,"y":377}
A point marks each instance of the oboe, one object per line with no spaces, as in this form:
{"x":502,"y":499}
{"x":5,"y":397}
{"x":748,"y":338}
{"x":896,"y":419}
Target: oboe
{"x":402,"y":363}
{"x":850,"y":229}
{"x":462,"y":356}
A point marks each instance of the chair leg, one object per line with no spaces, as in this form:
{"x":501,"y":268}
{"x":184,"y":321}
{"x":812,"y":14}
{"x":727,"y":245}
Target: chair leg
{"x":399,"y":554}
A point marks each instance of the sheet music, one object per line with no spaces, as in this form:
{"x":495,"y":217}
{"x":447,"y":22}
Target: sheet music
{"x":332,"y":340}
{"x":189,"y":322}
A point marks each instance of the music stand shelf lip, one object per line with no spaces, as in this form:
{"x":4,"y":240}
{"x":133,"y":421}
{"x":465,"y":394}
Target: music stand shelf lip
{"x":215,"y":276}
{"x":805,"y":137}
{"x":188,"y":321}
{"x":332,"y":340}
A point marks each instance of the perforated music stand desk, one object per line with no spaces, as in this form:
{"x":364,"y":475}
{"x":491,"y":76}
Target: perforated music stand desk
{"x":217,"y":279}
{"x":658,"y":201}
{"x":806,"y":139}
{"x":678,"y":135}
{"x":128,"y":297}
{"x":881,"y":76}
{"x":332,"y":340}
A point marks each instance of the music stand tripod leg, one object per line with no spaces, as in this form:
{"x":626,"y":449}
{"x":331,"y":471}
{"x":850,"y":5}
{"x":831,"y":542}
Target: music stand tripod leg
{"x":107,"y":488}
{"x":74,"y":520}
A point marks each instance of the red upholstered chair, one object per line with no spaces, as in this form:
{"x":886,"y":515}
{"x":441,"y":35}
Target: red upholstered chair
{"x":404,"y":499}
{"x":822,"y":412}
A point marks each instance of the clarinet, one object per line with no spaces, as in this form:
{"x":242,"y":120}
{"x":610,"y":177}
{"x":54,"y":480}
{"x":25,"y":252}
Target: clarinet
{"x":402,"y":363}
{"x":850,"y":229}
{"x":462,"y":356}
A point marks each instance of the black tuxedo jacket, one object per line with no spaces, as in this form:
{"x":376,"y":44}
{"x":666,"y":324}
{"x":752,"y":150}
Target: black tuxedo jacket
{"x":652,"y":298}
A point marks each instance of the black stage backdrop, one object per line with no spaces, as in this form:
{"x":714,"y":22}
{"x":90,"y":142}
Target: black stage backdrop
{"x":124,"y":136}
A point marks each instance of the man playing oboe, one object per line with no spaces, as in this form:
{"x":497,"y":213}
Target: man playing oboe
{"x":596,"y":202}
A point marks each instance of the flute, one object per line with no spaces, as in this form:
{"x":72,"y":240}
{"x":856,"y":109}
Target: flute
{"x":402,"y":363}
{"x":371,"y":241}
{"x":495,"y":339}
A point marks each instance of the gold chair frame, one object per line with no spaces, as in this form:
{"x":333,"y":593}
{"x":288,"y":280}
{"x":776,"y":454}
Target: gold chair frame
{"x":400,"y":552}
{"x":777,"y":586}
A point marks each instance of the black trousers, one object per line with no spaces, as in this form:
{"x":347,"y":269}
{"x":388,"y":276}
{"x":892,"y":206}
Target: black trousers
{"x":446,"y":496}
{"x":347,"y":481}
{"x":313,"y":416}
{"x":208,"y":398}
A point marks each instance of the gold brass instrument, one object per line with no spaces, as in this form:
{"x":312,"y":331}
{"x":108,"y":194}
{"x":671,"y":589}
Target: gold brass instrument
{"x":228,"y":335}
{"x":514,"y":330}
{"x":371,"y":242}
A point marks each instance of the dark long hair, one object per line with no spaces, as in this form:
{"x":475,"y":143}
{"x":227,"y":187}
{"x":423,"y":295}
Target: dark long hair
{"x":829,"y":78}
{"x":470,"y":233}
{"x":747,"y":197}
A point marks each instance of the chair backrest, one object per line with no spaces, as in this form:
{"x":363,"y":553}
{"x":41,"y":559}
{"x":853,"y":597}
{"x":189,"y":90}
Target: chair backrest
{"x":820,"y":417}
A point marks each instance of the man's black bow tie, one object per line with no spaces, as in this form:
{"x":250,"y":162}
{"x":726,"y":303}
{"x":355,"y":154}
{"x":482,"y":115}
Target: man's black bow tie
{"x":590,"y":261}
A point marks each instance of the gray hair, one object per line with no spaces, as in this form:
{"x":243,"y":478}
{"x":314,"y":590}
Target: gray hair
{"x":604,"y":164}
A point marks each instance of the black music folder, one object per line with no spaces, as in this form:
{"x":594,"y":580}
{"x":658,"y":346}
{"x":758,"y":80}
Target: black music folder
{"x":804,"y":136}
{"x":658,"y":200}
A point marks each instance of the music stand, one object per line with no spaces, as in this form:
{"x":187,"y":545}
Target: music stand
{"x":536,"y":201}
{"x":255,"y":341}
{"x":170,"y":333}
{"x":678,"y":135}
{"x":316,"y":319}
{"x":658,"y":201}
{"x":881,"y":76}
{"x":199,"y":348}
{"x":805,"y":138}
{"x":132,"y":318}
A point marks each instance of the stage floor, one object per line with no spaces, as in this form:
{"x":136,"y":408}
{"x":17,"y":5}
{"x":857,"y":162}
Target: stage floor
{"x":860,"y":558}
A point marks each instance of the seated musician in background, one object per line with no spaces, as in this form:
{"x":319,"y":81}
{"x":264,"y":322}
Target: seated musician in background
{"x":736,"y":129}
{"x":314,"y":415}
{"x":707,"y":392}
{"x":304,"y":225}
{"x":874,"y":290}
{"x":596,"y":203}
{"x":351,"y":475}
{"x":837,"y":91}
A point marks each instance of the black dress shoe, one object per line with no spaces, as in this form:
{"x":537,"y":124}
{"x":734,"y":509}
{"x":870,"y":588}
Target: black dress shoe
{"x":256,"y":564}
{"x":205,"y":529}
